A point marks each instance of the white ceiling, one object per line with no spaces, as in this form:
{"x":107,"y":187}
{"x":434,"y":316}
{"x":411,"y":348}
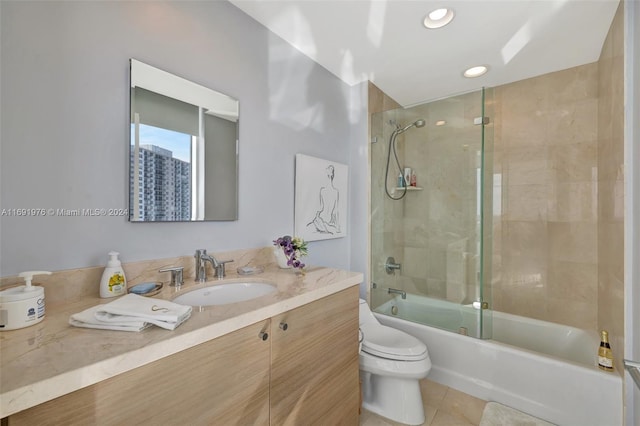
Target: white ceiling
{"x":385,"y":42}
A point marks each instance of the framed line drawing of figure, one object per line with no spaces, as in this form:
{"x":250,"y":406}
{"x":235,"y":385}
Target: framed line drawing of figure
{"x":320,"y":198}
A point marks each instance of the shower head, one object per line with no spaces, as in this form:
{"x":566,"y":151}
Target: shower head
{"x":417,"y":123}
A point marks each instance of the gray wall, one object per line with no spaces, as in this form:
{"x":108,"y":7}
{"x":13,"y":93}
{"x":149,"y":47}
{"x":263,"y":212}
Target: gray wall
{"x":64,"y":127}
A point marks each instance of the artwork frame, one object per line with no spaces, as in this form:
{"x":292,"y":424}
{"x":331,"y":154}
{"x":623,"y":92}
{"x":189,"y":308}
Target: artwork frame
{"x":321,"y":198}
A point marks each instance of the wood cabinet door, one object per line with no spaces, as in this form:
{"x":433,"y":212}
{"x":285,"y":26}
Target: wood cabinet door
{"x":221,"y":382}
{"x":314,"y":363}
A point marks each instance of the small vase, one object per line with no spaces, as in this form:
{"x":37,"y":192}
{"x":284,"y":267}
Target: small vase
{"x":281,"y":258}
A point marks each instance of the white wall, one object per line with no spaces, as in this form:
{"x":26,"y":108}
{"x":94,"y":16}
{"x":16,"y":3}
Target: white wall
{"x":64,"y":127}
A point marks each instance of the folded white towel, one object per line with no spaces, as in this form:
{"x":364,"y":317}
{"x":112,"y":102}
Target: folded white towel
{"x":87,"y":319}
{"x":132,"y":313}
{"x":160,"y":312}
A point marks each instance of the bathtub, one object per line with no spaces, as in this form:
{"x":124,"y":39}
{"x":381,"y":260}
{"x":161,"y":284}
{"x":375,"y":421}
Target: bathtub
{"x":544,"y":369}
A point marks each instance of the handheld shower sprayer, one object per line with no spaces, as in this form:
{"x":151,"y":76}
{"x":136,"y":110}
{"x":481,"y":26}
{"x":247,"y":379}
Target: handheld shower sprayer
{"x":392,"y":147}
{"x":417,"y":123}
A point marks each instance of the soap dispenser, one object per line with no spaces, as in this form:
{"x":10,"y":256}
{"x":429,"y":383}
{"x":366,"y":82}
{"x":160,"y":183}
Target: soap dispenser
{"x":113,"y":282}
{"x":22,"y":306}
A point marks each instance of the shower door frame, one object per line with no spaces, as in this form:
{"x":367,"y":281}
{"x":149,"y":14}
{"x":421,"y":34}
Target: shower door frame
{"x":483,"y":239}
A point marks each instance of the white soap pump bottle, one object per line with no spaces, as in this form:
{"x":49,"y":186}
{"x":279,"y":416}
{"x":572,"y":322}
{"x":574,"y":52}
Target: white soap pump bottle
{"x":23,"y":305}
{"x":113,"y":282}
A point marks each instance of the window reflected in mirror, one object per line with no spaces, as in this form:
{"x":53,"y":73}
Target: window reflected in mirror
{"x":183,"y":149}
{"x":161,"y":189}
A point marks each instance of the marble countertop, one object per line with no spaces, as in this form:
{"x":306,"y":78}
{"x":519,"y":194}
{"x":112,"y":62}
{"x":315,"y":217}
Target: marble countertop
{"x":52,"y":358}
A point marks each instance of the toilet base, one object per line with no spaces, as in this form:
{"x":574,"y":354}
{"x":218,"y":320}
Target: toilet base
{"x":396,"y":399}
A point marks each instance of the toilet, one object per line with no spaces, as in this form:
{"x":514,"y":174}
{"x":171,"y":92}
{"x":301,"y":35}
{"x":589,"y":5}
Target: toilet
{"x":392,"y":363}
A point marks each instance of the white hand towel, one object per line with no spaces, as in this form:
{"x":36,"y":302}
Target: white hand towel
{"x":87,"y":319}
{"x":160,"y":312}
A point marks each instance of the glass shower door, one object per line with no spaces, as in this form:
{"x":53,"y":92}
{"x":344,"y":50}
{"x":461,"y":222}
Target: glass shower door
{"x":427,"y":240}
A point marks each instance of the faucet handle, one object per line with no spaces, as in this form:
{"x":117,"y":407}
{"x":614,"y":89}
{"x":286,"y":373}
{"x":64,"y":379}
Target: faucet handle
{"x":220,"y":272}
{"x":176,"y":275}
{"x":200,"y":252}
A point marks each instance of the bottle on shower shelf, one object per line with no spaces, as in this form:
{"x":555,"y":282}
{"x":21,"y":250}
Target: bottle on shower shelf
{"x":407,"y":176}
{"x":605,"y":355}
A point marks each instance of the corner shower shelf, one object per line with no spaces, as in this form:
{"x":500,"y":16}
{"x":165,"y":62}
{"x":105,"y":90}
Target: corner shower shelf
{"x":408,"y":188}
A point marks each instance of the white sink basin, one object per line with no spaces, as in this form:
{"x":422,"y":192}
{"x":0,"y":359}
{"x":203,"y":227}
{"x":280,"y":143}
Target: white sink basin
{"x":223,"y":294}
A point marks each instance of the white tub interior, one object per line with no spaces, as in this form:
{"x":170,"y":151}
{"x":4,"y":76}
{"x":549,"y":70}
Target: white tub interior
{"x":541,"y":368}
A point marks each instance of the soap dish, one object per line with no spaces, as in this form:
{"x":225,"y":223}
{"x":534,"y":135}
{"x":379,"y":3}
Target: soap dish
{"x":146,"y":289}
{"x":250,"y":270}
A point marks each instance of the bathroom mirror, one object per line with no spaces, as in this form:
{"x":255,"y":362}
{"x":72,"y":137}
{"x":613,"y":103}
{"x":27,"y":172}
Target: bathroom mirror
{"x":183,"y":149}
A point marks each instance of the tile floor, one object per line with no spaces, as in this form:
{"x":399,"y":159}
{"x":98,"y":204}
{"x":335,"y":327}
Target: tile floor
{"x":443,"y":406}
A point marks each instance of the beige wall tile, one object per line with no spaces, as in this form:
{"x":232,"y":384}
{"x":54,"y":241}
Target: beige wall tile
{"x":570,"y":312}
{"x":574,"y":162}
{"x":512,"y":301}
{"x":610,"y":158}
{"x":611,"y":247}
{"x":526,"y":203}
{"x":526,"y":166}
{"x":573,"y":202}
{"x":525,"y":239}
{"x":415,"y":262}
{"x":611,"y":201}
{"x":523,"y":97}
{"x":547,"y":136}
{"x":380,"y":101}
{"x":437,"y":288}
{"x":573,"y":122}
{"x":523,"y":130}
{"x":573,"y":84}
{"x":573,"y":241}
{"x":574,"y":281}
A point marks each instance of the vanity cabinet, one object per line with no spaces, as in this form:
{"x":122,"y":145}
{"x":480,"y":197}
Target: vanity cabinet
{"x":314,"y":363}
{"x":221,"y":382}
{"x":305,"y":371}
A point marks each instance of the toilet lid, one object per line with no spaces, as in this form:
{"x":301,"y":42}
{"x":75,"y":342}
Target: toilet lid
{"x":390,"y":343}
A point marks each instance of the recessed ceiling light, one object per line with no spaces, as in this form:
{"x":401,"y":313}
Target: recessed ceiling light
{"x":475,"y":71}
{"x":438,"y":18}
{"x":438,"y":14}
{"x":440,"y":123}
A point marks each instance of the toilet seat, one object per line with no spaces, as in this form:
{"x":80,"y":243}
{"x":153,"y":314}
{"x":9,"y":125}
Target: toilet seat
{"x":390,"y":343}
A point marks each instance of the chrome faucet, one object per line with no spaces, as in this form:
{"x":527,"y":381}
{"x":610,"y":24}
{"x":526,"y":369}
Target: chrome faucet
{"x":201,"y":265}
{"x":402,"y":293}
